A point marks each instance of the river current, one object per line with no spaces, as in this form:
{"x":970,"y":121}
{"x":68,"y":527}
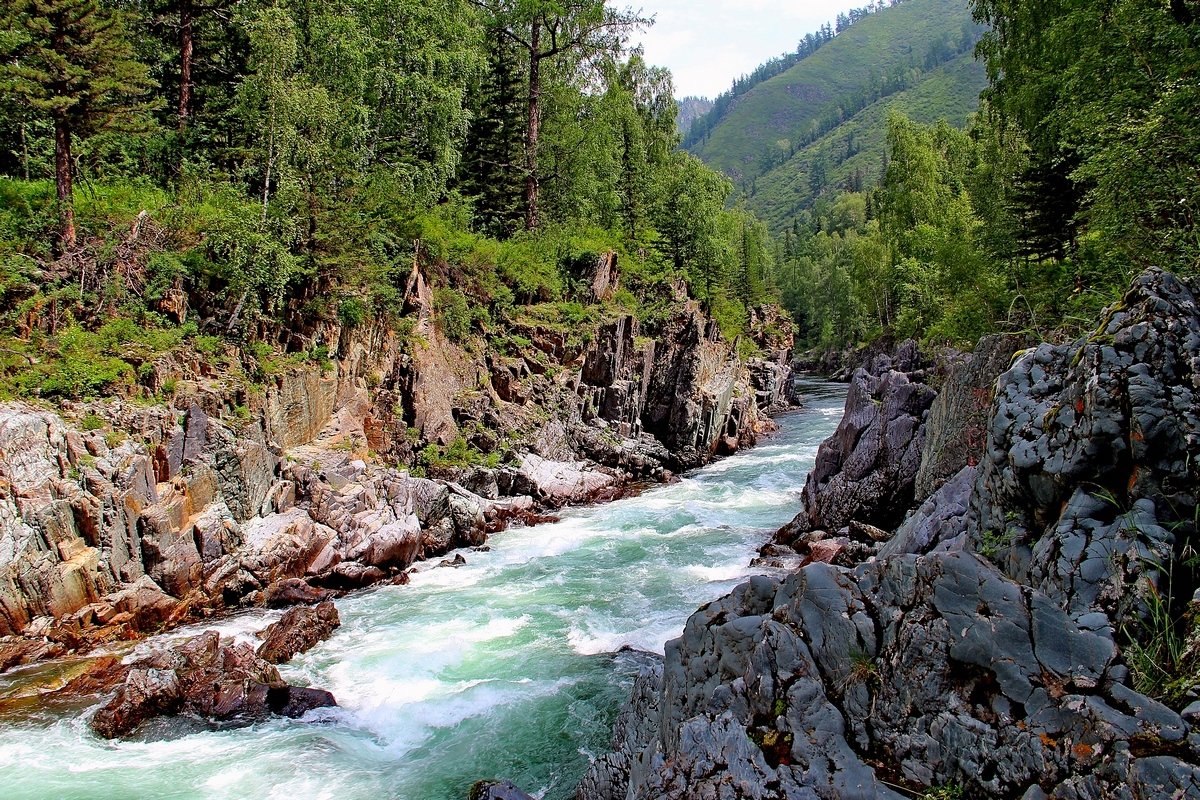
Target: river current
{"x":504,"y":667}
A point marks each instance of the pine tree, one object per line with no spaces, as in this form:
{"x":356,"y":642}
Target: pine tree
{"x":70,"y":61}
{"x":544,"y":31}
{"x":492,"y":161}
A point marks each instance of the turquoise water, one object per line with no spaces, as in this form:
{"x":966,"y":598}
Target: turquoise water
{"x":500,"y":668}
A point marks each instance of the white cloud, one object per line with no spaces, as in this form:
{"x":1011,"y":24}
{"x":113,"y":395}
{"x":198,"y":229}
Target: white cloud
{"x":708,"y":43}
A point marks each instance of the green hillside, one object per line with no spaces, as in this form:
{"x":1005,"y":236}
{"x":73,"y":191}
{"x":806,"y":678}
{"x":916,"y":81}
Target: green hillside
{"x":852,"y":154}
{"x":880,"y":56}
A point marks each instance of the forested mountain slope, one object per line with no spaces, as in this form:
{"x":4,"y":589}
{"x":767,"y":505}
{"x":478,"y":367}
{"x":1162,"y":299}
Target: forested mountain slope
{"x":878,"y":56}
{"x":852,"y":155}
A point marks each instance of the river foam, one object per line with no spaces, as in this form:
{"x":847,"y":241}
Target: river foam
{"x":501,"y":667}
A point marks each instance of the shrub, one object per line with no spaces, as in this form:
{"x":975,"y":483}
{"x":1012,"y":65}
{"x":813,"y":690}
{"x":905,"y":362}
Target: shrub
{"x":454,"y":314}
{"x":352,"y":312}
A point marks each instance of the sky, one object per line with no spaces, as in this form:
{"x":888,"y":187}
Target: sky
{"x":708,"y":43}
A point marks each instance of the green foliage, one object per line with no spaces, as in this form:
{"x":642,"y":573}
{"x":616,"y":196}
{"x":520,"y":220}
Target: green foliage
{"x":927,"y":253}
{"x":454,"y":315}
{"x":78,"y":363}
{"x":1106,"y":94}
{"x":71,"y":64}
{"x":1157,"y":651}
{"x":458,"y":455}
{"x":80,"y":368}
{"x":352,"y":312}
{"x":207,"y":345}
{"x":319,"y":155}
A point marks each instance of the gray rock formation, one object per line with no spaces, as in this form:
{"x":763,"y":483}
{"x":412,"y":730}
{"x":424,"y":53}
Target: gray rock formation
{"x":986,"y":646}
{"x":1098,"y":438}
{"x":866,"y":471}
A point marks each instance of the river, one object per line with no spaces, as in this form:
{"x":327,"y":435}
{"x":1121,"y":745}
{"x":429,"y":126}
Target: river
{"x":503,"y":667}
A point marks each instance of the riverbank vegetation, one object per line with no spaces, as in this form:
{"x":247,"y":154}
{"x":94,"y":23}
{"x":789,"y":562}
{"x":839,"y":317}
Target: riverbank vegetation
{"x":269,"y":166}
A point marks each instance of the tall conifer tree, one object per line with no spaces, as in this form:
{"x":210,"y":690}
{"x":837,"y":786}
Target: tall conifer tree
{"x":70,"y":61}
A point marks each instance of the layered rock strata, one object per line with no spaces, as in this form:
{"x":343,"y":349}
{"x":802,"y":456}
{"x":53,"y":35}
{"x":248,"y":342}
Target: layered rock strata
{"x":118,"y":518}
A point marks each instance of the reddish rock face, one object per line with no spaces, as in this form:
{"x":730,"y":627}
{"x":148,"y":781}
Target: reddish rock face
{"x":207,"y":678}
{"x":299,"y":630}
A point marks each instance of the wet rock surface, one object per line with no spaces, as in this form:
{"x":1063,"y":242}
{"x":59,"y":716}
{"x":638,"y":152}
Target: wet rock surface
{"x":965,"y":653}
{"x":298,"y":631}
{"x":206,"y":678}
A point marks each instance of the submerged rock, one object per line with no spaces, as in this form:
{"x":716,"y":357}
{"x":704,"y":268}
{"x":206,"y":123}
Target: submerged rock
{"x":497,"y":790}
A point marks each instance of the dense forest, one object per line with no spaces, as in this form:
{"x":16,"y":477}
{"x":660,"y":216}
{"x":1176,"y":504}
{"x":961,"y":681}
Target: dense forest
{"x":279,"y":163}
{"x":1079,"y":170}
{"x":284,"y":162}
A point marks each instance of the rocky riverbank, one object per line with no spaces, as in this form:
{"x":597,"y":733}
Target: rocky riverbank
{"x":121,"y":518}
{"x":1023,"y":633}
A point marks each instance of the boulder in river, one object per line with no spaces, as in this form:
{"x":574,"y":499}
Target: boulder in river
{"x":298,"y":631}
{"x":208,"y":678}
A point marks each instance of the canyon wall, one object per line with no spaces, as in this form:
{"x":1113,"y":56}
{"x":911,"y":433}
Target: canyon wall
{"x":997,"y":642}
{"x":119,"y":517}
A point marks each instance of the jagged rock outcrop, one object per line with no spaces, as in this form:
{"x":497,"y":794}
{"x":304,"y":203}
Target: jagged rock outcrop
{"x":205,"y":678}
{"x":687,"y":389}
{"x":1085,"y":433}
{"x":696,"y":400}
{"x":107,"y":535}
{"x":986,"y":646}
{"x":298,"y":631}
{"x":866,"y":471}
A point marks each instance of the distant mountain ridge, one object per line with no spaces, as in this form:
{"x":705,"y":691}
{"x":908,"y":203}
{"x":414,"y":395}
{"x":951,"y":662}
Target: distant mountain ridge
{"x":852,"y":154}
{"x":809,"y":44}
{"x":690,"y":110}
{"x":820,"y":123}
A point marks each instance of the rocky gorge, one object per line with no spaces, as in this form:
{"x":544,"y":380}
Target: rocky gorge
{"x":1026,"y":630}
{"x":981,"y":596}
{"x":120,"y":518}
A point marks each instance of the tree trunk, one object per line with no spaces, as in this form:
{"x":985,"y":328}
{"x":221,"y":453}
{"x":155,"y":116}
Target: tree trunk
{"x":532,"y":127}
{"x":24,"y":152}
{"x":186,"y":46}
{"x":63,"y":183}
